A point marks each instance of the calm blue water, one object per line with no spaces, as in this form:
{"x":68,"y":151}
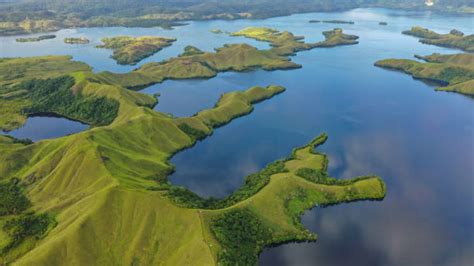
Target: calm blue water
{"x":383,"y":122}
{"x":39,"y":128}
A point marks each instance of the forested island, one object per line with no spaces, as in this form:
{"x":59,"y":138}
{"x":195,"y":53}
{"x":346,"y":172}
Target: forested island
{"x":80,"y":40}
{"x":36,"y":39}
{"x":454,"y":72}
{"x":131,"y":50}
{"x":454,"y":39}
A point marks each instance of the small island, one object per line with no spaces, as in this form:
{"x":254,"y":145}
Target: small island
{"x":131,"y":50}
{"x":80,"y":40}
{"x":217,"y":31}
{"x":337,"y":37}
{"x":454,"y":39}
{"x":36,"y":39}
{"x":454,"y":72}
{"x":335,"y":21}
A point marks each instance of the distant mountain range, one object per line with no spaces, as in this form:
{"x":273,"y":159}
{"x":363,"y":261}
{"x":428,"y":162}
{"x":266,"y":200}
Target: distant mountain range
{"x":202,"y":8}
{"x":33,"y":16}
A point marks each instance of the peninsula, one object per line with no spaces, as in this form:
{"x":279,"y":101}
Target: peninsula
{"x":454,"y":39}
{"x":454,"y":72}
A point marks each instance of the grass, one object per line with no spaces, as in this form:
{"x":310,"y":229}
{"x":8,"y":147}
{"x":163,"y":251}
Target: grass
{"x":454,"y":39}
{"x":131,"y":50}
{"x":455,"y":72}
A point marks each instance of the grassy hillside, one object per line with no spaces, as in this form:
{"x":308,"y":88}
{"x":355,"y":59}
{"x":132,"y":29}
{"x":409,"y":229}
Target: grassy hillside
{"x":131,"y":50}
{"x":102,"y":196}
{"x":454,"y":39}
{"x":455,"y":72}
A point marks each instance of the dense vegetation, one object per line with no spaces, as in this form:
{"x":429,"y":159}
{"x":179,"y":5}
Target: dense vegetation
{"x":455,"y":72}
{"x":36,"y":39}
{"x":242,"y":236}
{"x":131,"y":50}
{"x":55,"y":96}
{"x":23,"y":227}
{"x":12,"y":200}
{"x":454,"y":39}
{"x":18,"y":224}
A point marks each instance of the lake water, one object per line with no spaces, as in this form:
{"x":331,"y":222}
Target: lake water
{"x":43,"y":127}
{"x":421,"y":142}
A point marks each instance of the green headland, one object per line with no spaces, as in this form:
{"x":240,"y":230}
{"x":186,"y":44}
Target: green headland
{"x":454,"y":39}
{"x":131,"y":50}
{"x":455,"y":72}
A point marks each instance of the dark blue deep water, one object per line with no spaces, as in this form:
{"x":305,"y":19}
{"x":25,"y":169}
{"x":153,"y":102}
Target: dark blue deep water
{"x":379,"y":122}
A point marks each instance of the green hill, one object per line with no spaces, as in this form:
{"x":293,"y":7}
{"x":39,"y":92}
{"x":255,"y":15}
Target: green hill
{"x":455,"y":72}
{"x":453,"y":39}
